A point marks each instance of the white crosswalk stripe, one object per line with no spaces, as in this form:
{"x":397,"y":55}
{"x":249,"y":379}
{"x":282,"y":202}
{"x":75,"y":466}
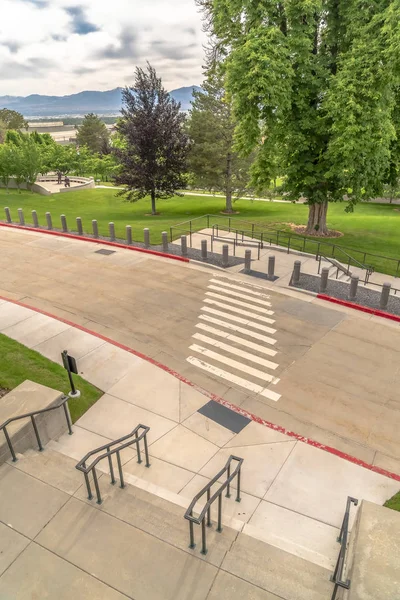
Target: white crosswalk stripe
{"x":231,"y":343}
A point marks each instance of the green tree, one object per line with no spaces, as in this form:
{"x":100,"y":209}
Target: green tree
{"x":3,"y":131}
{"x":61,"y":158}
{"x":13,"y":119}
{"x":93,"y":133}
{"x":31,"y":157}
{"x":314,"y":81}
{"x":153,"y":158}
{"x":212,"y":158}
{"x":7,"y":163}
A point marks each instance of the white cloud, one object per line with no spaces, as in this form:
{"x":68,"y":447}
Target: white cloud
{"x":59,"y":47}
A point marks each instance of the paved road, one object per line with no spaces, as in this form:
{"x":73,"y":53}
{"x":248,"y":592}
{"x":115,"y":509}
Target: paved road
{"x":320,"y":372}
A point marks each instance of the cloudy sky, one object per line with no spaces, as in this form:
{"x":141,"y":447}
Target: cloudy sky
{"x":59,"y":47}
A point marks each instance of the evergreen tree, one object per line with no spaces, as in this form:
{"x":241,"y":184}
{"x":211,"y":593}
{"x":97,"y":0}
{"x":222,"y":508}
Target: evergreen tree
{"x":93,"y":133}
{"x":314,"y":81}
{"x":154,"y":150}
{"x":212,"y":159}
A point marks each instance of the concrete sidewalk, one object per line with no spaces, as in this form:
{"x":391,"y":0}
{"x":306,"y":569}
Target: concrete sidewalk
{"x":293,"y":494}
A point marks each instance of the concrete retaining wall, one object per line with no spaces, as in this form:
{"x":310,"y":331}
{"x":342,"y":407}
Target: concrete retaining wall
{"x":39,"y":189}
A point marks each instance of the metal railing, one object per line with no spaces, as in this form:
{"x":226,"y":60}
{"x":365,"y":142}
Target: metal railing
{"x":337,"y":577}
{"x":201,"y":519}
{"x":32,"y":415}
{"x":239,"y":233}
{"x":292,"y":241}
{"x":133,"y":438}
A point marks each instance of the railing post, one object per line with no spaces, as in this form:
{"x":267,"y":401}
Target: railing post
{"x":228,"y":487}
{"x":89,"y":489}
{"x":8,"y":214}
{"x":121,"y":475}
{"x":68,"y":418}
{"x":209,"y":524}
{"x":139,"y":457}
{"x":203,"y":537}
{"x":96,"y":485}
{"x":238,"y":498}
{"x":111,"y":467}
{"x":191,"y":535}
{"x":39,"y":441}
{"x":146,"y":450}
{"x":208,"y":221}
{"x":35,"y":219}
{"x":170,"y":234}
{"x":219,"y":528}
{"x":10,"y":446}
{"x":95,"y":229}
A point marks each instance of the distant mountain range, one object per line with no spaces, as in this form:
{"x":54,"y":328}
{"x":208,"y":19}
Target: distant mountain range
{"x":84,"y":102}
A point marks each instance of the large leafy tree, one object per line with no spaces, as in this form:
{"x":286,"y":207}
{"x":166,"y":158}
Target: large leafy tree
{"x":315,"y":82}
{"x":13,"y":119}
{"x":154,"y":150}
{"x":212,"y":158}
{"x":93,"y":133}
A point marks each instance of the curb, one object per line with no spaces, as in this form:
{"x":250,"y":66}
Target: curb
{"x":218,"y":399}
{"x":96,"y":241}
{"x":371,"y":311}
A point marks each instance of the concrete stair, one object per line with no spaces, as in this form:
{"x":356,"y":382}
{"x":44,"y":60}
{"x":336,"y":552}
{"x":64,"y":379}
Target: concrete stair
{"x":54,"y":543}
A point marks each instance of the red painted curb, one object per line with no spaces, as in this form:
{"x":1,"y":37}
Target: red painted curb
{"x":96,"y":241}
{"x":218,"y":399}
{"x":371,"y":311}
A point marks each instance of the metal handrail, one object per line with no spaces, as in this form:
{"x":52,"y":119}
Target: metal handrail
{"x":337,"y":577}
{"x":235,"y":240}
{"x":86,"y":469}
{"x":32,"y":416}
{"x":200,"y":520}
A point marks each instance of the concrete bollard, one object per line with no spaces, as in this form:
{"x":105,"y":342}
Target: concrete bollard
{"x":35,"y":219}
{"x":111,"y":229}
{"x":323,"y":284}
{"x":79,"y":226}
{"x":271,"y":267}
{"x":385,"y":295}
{"x":247,"y":261}
{"x":128,"y":235}
{"x":353,"y":287}
{"x":64,"y":223}
{"x":49,"y":221}
{"x":225,"y":255}
{"x":146,"y":235}
{"x":8,"y":214}
{"x":203,"y":249}
{"x":21,"y":216}
{"x":184,"y":245}
{"x":296,"y":272}
{"x":164,"y":236}
{"x":95,"y":228}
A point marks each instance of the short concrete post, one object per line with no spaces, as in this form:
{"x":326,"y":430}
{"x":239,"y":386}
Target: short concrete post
{"x":129,"y":235}
{"x":323,"y":284}
{"x":353,"y":287}
{"x":146,"y":235}
{"x":35,"y":219}
{"x":184,"y":245}
{"x":95,"y":228}
{"x":385,"y":295}
{"x":64,"y":223}
{"x":8,"y":214}
{"x":247,"y":261}
{"x":296,"y":272}
{"x":225,"y":255}
{"x":164,"y":236}
{"x":21,"y":216}
{"x":271,"y":267}
{"x":111,"y":228}
{"x":203,"y":249}
{"x":79,"y":226}
{"x":49,"y":221}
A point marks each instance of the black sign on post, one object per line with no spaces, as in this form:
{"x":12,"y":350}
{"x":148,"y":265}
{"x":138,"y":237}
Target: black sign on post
{"x":69,"y":363}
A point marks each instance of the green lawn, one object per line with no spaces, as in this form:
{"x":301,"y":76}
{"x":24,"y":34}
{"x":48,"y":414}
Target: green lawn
{"x":371,"y":228}
{"x":19,"y":363}
{"x":394,"y":502}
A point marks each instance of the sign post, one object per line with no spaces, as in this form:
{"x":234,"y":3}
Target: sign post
{"x":70,"y":366}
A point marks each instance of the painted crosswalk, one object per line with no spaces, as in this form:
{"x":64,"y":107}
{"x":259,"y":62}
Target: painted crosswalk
{"x":231,"y":340}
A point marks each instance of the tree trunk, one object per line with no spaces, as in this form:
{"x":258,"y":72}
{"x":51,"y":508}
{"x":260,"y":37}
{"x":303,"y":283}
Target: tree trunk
{"x":153,"y":202}
{"x":228,"y":204}
{"x":317,"y":219}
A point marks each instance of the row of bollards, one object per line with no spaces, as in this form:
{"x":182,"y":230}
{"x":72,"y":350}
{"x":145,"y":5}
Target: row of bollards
{"x":353,"y":289}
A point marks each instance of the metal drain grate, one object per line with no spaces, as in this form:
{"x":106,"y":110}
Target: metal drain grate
{"x":105,"y":252}
{"x":224,"y":416}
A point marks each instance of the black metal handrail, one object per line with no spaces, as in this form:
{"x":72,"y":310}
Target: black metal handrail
{"x":235,"y":240}
{"x":134,"y":438}
{"x":201,"y":519}
{"x":32,"y":416}
{"x":337,"y":577}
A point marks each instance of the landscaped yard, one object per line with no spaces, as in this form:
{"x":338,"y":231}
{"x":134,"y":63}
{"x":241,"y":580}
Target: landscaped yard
{"x":371,"y":228}
{"x":19,"y":363}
